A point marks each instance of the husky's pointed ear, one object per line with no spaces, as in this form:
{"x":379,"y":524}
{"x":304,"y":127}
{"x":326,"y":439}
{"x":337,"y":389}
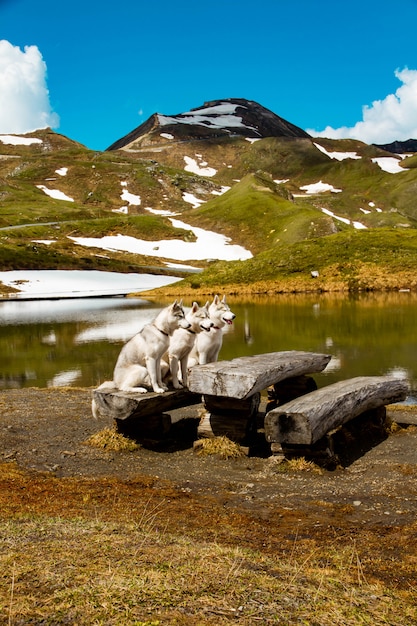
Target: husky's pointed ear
{"x":224,"y":300}
{"x":180,"y":304}
{"x":206,"y":306}
{"x":216,"y":299}
{"x":174,"y":304}
{"x":195,"y":307}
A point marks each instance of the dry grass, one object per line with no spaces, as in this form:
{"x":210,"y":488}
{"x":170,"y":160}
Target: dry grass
{"x":401,"y":408}
{"x":58,"y":571}
{"x":109,"y":439}
{"x":222,"y":446}
{"x":300,"y":464}
{"x":102,"y":552}
{"x":278,"y":465}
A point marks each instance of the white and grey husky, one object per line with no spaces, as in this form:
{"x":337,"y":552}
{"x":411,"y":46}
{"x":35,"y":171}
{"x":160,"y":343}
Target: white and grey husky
{"x":138,"y":368}
{"x":182,"y":342}
{"x":207,"y":345}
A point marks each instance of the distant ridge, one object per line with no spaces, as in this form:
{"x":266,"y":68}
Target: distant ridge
{"x":217,"y":118}
{"x":399,"y":147}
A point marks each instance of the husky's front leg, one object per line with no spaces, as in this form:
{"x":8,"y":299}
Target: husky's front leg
{"x":153,"y":366}
{"x":184,"y":371}
{"x":173,"y":366}
{"x":202,"y":358}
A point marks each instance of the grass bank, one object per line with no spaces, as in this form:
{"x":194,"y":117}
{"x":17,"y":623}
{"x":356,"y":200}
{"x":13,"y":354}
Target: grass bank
{"x":348,"y":261}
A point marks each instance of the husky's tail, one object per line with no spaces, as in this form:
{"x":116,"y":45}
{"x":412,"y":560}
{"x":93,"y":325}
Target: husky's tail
{"x":94,"y":408}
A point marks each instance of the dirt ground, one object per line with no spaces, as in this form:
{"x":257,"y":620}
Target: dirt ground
{"x":249,"y":501}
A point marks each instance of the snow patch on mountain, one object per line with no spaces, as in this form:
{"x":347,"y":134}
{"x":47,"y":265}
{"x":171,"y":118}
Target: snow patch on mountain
{"x":62,"y":171}
{"x":345,"y":220}
{"x":222,"y":115}
{"x":16,"y":140}
{"x":163,"y":212}
{"x":55,"y":193}
{"x":208,"y":244}
{"x":191,"y":199}
{"x":339,"y":156}
{"x":319,"y":187}
{"x":389,"y":164}
{"x":199,"y":168}
{"x":80,"y":283}
{"x":128,"y":197}
{"x":221,"y":191}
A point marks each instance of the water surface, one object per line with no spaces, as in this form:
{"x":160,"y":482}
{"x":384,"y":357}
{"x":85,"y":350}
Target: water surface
{"x":76,"y":342}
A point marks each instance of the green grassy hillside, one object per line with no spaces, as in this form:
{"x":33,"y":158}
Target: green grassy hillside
{"x":347,"y":261}
{"x":262,"y":194}
{"x":259,"y":214}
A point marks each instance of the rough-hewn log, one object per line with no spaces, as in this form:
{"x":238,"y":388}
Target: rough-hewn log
{"x":244,"y":376}
{"x":231,"y":417}
{"x":288,"y":389}
{"x":123,"y":405}
{"x":154,"y":426}
{"x":308,"y":418}
{"x":235,"y":428}
{"x":232,"y":407}
{"x":343,"y":445}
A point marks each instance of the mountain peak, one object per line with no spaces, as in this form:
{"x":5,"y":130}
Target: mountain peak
{"x":217,"y":118}
{"x":398,"y":147}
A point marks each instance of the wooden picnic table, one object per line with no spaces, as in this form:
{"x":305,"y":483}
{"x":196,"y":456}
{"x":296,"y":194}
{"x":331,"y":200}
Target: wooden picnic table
{"x":230,"y":390}
{"x":244,"y":376}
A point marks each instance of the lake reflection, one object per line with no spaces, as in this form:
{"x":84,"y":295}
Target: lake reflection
{"x":76,"y":342}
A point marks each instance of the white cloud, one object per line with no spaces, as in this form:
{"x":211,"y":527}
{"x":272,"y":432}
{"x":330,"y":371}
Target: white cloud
{"x":392,"y":119}
{"x":24,"y":97}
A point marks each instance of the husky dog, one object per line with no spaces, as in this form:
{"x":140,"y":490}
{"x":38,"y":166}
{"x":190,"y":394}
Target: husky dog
{"x":207,"y":345}
{"x":139,"y":362}
{"x":182,"y":342}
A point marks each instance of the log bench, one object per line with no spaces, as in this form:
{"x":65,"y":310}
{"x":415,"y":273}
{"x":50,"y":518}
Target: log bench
{"x":142,"y":415}
{"x":305,"y":420}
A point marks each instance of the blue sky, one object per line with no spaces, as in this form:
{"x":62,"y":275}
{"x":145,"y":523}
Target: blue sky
{"x":96,"y":70}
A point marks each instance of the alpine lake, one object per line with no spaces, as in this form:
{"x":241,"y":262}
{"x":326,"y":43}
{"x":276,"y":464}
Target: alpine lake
{"x":75,"y":342}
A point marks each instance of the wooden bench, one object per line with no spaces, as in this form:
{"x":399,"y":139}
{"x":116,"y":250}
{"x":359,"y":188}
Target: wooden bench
{"x":305,"y":420}
{"x":140,"y":414}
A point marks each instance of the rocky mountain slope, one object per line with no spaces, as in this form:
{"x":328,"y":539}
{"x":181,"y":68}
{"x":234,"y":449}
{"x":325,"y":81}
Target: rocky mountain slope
{"x":400,"y":147}
{"x":232,"y":117}
{"x":290,"y":201}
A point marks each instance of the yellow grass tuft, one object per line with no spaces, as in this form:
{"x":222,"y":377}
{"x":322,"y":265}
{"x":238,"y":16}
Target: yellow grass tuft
{"x":300,"y":464}
{"x":403,"y":408}
{"x":392,"y":427}
{"x":221,"y":446}
{"x":109,"y":439}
